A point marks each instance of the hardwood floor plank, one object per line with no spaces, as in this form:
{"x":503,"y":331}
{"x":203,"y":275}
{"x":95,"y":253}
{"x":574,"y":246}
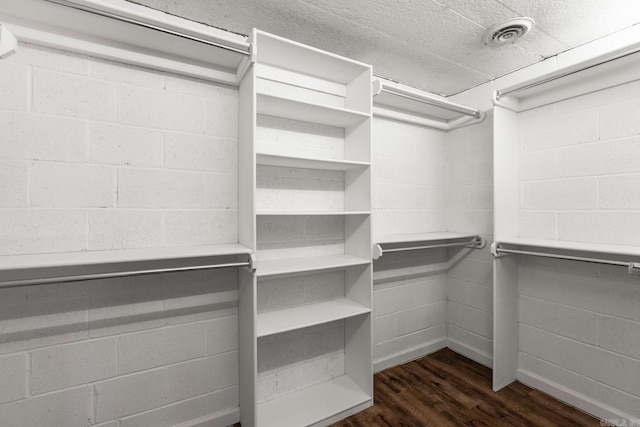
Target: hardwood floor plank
{"x":447,"y":389}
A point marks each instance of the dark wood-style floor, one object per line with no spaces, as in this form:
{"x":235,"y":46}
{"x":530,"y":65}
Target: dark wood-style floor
{"x":447,"y":389}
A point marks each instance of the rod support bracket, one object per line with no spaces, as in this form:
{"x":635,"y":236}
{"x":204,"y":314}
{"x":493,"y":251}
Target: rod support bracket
{"x":480,"y":243}
{"x":377,"y":251}
{"x":252,"y":262}
{"x":495,"y":250}
{"x":634,"y":268}
{"x":8,"y":43}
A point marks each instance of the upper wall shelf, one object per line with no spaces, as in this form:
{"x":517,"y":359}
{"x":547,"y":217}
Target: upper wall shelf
{"x":23,"y":270}
{"x":629,"y":253}
{"x":397,"y":102}
{"x":617,"y":65}
{"x":104,"y":29}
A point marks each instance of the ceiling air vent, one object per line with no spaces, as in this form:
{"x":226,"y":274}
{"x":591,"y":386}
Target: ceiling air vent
{"x":507,"y":31}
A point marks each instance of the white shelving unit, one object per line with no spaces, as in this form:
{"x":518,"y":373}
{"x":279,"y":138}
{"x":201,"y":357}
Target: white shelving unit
{"x":293,"y":82}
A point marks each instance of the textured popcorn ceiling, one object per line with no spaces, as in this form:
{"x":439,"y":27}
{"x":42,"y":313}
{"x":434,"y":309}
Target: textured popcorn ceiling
{"x":429,"y":44}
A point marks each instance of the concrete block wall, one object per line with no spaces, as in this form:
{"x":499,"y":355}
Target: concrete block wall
{"x":295,"y":360}
{"x":580,"y":328}
{"x":277,"y":135}
{"x":580,"y":168}
{"x":409,"y":175}
{"x":302,"y":358}
{"x":579,"y":323}
{"x":156,"y":350}
{"x":279,"y":188}
{"x":470,"y":209}
{"x":98,"y":155}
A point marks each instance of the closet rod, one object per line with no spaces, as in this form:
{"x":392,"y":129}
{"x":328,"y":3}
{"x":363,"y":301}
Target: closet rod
{"x":79,"y":278}
{"x":499,"y":94}
{"x":92,"y":7}
{"x":634,"y":267}
{"x":437,"y":103}
{"x":476,"y":242}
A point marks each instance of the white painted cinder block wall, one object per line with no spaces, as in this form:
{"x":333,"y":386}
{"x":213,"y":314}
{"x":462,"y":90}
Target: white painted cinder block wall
{"x":97,"y":155}
{"x":409,"y":196}
{"x":580,"y":181}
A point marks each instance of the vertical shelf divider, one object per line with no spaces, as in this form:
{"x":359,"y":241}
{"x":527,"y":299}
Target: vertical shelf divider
{"x":247,"y":327}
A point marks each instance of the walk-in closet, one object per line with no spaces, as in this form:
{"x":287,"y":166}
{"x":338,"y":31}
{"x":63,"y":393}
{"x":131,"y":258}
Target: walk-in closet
{"x":313,"y":213}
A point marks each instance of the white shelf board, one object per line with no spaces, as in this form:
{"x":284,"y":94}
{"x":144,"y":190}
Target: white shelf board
{"x":26,"y":267}
{"x":313,"y":404}
{"x":303,"y":316}
{"x":308,"y":163}
{"x":421,"y":237}
{"x":298,"y":265}
{"x":623,"y":250}
{"x":413,"y":106}
{"x":310,"y":213}
{"x":290,"y":108}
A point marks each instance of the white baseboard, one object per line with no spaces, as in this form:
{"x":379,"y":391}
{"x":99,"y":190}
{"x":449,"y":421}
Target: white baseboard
{"x":470,"y":352}
{"x":219,"y":419}
{"x":571,"y":397}
{"x":409,"y":355}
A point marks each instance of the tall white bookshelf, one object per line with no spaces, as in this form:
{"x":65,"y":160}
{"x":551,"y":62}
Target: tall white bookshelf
{"x":316,"y":198}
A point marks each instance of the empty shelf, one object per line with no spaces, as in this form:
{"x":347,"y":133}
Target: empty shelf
{"x":604,"y":248}
{"x":297,"y":265}
{"x":313,"y":404}
{"x":309,"y":163}
{"x":308,"y":111}
{"x":303,"y":316}
{"x":307,"y":60}
{"x":20,"y":270}
{"x":317,"y":213}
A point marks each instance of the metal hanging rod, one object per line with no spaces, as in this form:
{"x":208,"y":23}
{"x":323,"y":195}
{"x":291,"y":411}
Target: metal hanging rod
{"x":476,"y":243}
{"x":499,"y":94}
{"x":99,"y":8}
{"x":634,"y":267}
{"x":461,"y":109}
{"x":78,"y":278}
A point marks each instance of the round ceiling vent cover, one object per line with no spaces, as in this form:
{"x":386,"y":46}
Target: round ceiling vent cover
{"x":507,"y":31}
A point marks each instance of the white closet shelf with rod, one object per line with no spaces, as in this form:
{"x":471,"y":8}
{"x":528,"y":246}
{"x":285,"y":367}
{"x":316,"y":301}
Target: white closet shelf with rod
{"x":42,"y":269}
{"x":591,"y":253}
{"x":419,"y":241}
{"x":418,"y":107}
{"x":119,"y":30}
{"x":615,"y":67}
